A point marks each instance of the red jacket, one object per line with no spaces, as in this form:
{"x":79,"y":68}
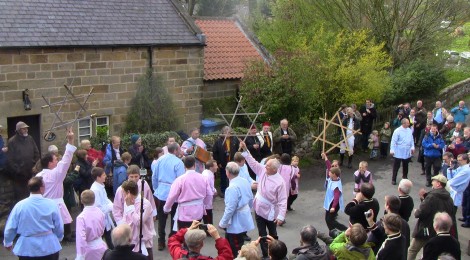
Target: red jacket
{"x":95,"y":154}
{"x":175,"y":245}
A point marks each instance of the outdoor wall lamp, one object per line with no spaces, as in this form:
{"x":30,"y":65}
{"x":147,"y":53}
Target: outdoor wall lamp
{"x":26,"y":101}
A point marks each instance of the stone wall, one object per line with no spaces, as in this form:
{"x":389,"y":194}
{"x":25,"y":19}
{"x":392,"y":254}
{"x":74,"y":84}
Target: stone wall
{"x":220,"y":88}
{"x":451,"y":95}
{"x":112,"y":72}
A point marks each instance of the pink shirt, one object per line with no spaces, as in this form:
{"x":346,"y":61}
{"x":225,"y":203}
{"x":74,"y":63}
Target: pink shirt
{"x":89,"y":229}
{"x":209,"y":177}
{"x":288,"y":172}
{"x":54,"y":182}
{"x":271,"y":196}
{"x":188,"y":189}
{"x":118,"y":204}
{"x":132,"y":217}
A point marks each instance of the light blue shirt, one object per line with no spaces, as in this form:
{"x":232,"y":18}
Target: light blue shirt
{"x":38,"y":223}
{"x":459,"y":183}
{"x":438,"y":116}
{"x":164,"y":172}
{"x":402,"y":143}
{"x":238,"y":203}
{"x":245,"y":174}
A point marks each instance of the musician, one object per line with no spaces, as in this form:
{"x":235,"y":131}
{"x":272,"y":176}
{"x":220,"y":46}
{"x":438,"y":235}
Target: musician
{"x":266,"y":141}
{"x":253,"y":144}
{"x":223,"y":152}
{"x":189,"y":146}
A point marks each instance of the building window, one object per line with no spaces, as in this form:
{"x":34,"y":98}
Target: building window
{"x":84,"y":129}
{"x":102,"y":121}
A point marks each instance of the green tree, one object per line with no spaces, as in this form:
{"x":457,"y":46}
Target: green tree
{"x":417,"y":78}
{"x":409,"y":28}
{"x":324,"y":72}
{"x":152,"y":108}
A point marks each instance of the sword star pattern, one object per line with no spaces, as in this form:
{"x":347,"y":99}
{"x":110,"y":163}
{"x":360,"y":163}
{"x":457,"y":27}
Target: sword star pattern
{"x":56,"y":109}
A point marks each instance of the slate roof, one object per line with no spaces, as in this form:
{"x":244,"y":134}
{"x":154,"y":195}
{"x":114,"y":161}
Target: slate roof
{"x":228,"y":48}
{"x":43,"y":23}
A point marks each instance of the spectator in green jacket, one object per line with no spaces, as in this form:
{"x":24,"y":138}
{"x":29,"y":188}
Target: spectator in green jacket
{"x":351,"y":244}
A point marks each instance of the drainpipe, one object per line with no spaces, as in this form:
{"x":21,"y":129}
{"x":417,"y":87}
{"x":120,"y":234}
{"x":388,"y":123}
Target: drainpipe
{"x":149,"y":53}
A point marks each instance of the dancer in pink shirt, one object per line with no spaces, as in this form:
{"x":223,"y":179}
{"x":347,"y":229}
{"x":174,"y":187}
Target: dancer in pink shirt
{"x":132,"y":216}
{"x":53,"y":175}
{"x":191,"y":192}
{"x":133,"y":174}
{"x":90,"y":229}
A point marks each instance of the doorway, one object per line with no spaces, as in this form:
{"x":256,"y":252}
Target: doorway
{"x":34,"y":127}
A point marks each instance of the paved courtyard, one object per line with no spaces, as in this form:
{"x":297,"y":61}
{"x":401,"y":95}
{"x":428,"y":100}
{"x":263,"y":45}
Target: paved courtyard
{"x":308,"y":207}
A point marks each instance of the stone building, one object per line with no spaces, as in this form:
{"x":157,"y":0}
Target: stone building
{"x":230,"y":47}
{"x":105,"y":45}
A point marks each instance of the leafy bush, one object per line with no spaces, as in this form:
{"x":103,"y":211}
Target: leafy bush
{"x":101,"y":137}
{"x":152,"y":108}
{"x":415,"y":79}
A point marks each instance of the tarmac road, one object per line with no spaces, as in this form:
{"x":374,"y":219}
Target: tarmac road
{"x":308,"y":207}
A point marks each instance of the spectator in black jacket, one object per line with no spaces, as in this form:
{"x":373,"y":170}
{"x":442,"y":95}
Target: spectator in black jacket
{"x":122,"y":236}
{"x":394,"y":246}
{"x":223,"y":152}
{"x":85,"y":180}
{"x":407,"y":204}
{"x":443,"y":242}
{"x":363,"y":202}
{"x":369,"y":113}
{"x":379,"y":235}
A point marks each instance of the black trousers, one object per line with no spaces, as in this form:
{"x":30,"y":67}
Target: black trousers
{"x":223,"y":180}
{"x":434,"y":163}
{"x":383,"y":149}
{"x":236,"y":242}
{"x":396,"y":167}
{"x":162,"y":217}
{"x":466,"y":205}
{"x":209,"y":217}
{"x":291,"y":200}
{"x":54,"y":256}
{"x":264,"y":224}
{"x":332,"y":222}
{"x":107,"y":238}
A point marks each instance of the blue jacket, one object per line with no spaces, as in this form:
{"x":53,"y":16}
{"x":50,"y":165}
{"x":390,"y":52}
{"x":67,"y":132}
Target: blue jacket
{"x":119,"y":174}
{"x":429,"y":149}
{"x":110,"y":158}
{"x":459,"y":115}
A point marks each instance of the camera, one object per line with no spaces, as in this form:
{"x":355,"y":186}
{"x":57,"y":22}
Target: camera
{"x":143,"y":172}
{"x":263,"y":238}
{"x":368,"y":213}
{"x":203,"y":227}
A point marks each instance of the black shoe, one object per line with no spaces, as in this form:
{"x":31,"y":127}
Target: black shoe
{"x":161,"y":246}
{"x":465,"y":225}
{"x":246,"y":237}
{"x":290,"y":209}
{"x":461,"y":219}
{"x":394,"y":183}
{"x":222,"y":195}
{"x":68,"y":239}
{"x":428,"y":184}
{"x":423,"y":173}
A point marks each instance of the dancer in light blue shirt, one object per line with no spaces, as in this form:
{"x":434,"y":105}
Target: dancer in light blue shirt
{"x":237,"y":217}
{"x":38,"y":223}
